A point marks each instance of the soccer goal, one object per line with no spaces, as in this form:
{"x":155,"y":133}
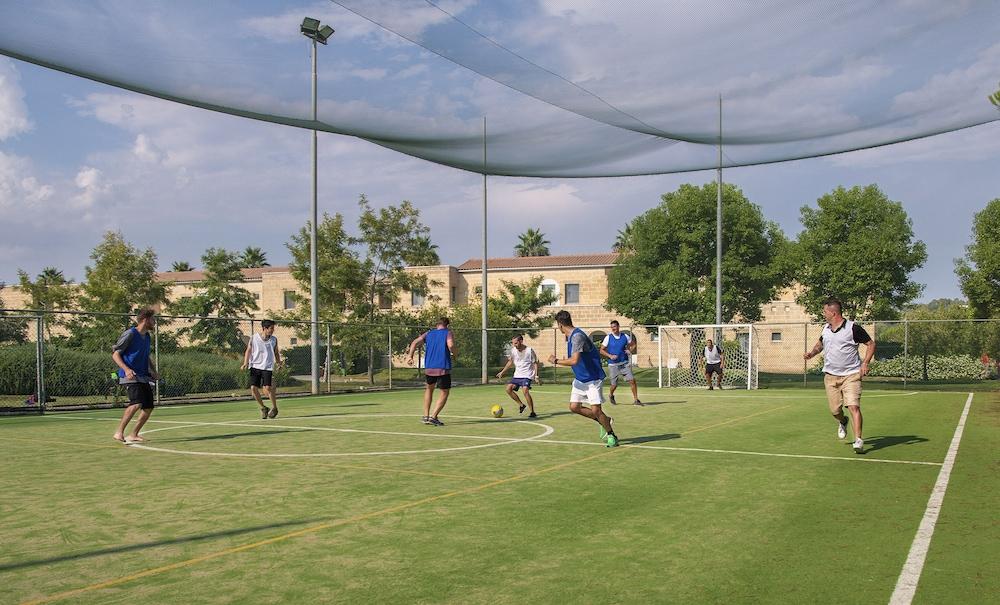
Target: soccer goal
{"x":681,"y":354}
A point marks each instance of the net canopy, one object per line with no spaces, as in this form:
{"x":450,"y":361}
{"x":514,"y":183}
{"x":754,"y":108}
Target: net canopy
{"x":570,"y":88}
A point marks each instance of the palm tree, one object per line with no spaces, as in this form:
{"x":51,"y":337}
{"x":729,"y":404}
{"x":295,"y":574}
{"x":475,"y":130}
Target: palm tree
{"x":253,"y":257}
{"x":532,"y":243}
{"x":626,"y":239}
{"x":181,"y":265}
{"x":422,"y":252}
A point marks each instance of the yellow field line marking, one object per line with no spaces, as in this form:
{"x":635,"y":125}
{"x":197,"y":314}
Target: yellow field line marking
{"x":47,"y":441}
{"x":372,"y":468}
{"x":731,"y":420}
{"x":302,"y":532}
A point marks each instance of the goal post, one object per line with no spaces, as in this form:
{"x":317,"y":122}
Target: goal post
{"x":681,"y":354}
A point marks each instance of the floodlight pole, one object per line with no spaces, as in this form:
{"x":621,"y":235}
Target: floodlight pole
{"x":313,"y":254}
{"x":718,"y":229}
{"x":484,"y":269}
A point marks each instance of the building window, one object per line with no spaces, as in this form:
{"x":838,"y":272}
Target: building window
{"x":384,"y":302}
{"x":417,"y":299}
{"x":256,"y":295}
{"x":572,"y":293}
{"x":775,"y":336}
{"x":454,"y":293}
{"x":289,"y":299}
{"x":655,"y":336}
{"x":293,"y":341}
{"x":550,"y":285}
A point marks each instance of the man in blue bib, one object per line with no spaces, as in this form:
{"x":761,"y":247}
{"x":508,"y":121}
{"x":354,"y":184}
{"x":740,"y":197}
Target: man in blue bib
{"x":440,"y":346}
{"x":583,"y":357}
{"x":136,"y":373}
{"x":618,"y":347}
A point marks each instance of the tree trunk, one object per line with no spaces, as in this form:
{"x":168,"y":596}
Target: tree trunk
{"x":371,"y":364}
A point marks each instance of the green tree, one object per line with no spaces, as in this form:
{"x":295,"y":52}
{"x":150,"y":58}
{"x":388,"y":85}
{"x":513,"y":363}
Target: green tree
{"x":121,"y":281}
{"x":858,"y":245}
{"x":50,"y":291}
{"x":623,"y":241}
{"x":422,"y":252}
{"x":669,"y":273}
{"x":12,"y":329}
{"x":532,"y":243}
{"x":339,"y":272}
{"x":979,"y":272}
{"x":181,"y":266}
{"x":216,"y":299}
{"x":253,"y":257}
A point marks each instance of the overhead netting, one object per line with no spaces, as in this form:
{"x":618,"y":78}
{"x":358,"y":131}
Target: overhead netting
{"x":571,"y":88}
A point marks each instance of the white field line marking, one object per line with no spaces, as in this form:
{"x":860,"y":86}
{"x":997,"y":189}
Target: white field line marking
{"x":538,"y":439}
{"x":909,"y":577}
{"x":746,"y":394}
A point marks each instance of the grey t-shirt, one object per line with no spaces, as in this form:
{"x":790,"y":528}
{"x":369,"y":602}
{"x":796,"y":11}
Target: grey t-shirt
{"x":120,"y":347}
{"x":580,"y":343}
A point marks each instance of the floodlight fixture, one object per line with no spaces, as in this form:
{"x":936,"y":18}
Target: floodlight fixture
{"x":311,"y":29}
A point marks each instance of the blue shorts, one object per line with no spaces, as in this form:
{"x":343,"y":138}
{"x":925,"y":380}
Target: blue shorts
{"x":521,"y":382}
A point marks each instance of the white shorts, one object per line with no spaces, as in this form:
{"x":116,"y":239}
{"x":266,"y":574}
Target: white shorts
{"x":624,"y":370}
{"x":587,"y":392}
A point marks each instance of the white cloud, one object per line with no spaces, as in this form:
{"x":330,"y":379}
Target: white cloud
{"x":20,"y":190}
{"x":146,"y":150}
{"x":13,"y":111}
{"x":92,"y":185}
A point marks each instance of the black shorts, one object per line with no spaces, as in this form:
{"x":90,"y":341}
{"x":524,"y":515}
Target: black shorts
{"x":260,"y":378}
{"x":713,"y":368}
{"x":443,"y":381}
{"x":141,"y":393}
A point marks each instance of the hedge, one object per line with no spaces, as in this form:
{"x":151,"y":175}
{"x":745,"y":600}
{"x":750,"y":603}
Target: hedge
{"x":939,"y":367}
{"x":70,"y":372}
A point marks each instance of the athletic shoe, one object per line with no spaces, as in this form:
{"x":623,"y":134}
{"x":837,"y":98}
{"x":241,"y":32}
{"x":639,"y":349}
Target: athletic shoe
{"x":263,"y":413}
{"x":612,"y":441}
{"x":638,"y":403}
{"x":842,"y":429}
{"x":611,"y":398}
{"x":520,"y":408}
{"x":711,"y":388}
{"x":273,"y":413}
{"x":425,"y":419}
{"x":859,"y":445}
{"x":603,"y":433}
{"x":532,"y":415}
{"x":435,"y":421}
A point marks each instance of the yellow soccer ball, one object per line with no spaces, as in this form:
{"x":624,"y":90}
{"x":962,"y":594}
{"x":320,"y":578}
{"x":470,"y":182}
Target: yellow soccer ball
{"x":497,"y":411}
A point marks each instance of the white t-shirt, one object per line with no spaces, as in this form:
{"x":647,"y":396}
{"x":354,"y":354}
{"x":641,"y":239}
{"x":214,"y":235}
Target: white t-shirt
{"x":624,"y":357}
{"x":712,"y":355}
{"x":262,"y":352}
{"x":524,"y":362}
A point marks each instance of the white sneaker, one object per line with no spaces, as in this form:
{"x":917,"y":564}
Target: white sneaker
{"x":859,"y":444}
{"x":841,"y":430}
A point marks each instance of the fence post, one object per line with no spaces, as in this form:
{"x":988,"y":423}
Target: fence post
{"x":659,"y":358}
{"x":329,"y":346}
{"x":389,"y":356}
{"x":40,"y":362}
{"x":805,"y":349}
{"x":156,"y":357}
{"x":906,"y":343}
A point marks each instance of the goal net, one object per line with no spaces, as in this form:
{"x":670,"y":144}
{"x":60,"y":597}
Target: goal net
{"x":681,"y":355}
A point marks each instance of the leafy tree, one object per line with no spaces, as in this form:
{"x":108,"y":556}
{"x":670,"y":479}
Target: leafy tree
{"x":979,"y":272}
{"x":339,"y":271}
{"x":669,"y":273}
{"x":858,"y":245}
{"x":217,"y":297}
{"x":121,"y":280}
{"x":181,"y":266}
{"x":422,"y":252}
{"x":929,"y":338}
{"x":532,"y":243}
{"x":253,"y":257}
{"x":12,"y":329}
{"x":50,"y":291}
{"x":624,"y":239}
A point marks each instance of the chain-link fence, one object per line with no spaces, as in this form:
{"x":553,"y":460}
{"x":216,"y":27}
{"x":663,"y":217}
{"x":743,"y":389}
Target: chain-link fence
{"x":64,"y":359}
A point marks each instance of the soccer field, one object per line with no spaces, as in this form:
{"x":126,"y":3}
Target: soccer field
{"x":714,"y":497}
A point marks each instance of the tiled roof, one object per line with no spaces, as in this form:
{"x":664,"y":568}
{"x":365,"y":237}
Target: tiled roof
{"x":253,"y":274}
{"x":605,"y":259}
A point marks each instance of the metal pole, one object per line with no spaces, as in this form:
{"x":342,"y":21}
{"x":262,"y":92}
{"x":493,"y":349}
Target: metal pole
{"x":156,"y":357}
{"x":805,"y":349}
{"x":668,"y":360}
{"x":390,"y":357}
{"x":40,"y":361}
{"x":906,"y":343}
{"x":749,"y":356}
{"x":484,"y":272}
{"x":313,"y":255}
{"x":329,"y":348}
{"x":718,"y":229}
{"x":659,"y":358}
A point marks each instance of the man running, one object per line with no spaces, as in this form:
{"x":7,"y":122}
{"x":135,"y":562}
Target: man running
{"x":440,"y":347}
{"x":525,"y":363}
{"x":715,"y":362}
{"x":618,"y":348}
{"x":262,"y":357}
{"x":135,"y":371}
{"x":588,"y":374}
{"x":843,"y":368}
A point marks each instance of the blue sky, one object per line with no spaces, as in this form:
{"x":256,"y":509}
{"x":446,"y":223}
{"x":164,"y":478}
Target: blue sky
{"x":78,"y":158}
